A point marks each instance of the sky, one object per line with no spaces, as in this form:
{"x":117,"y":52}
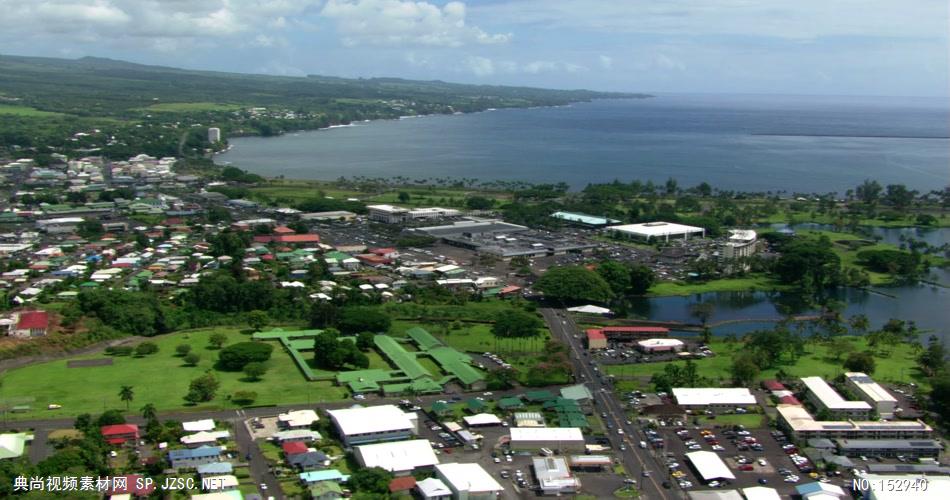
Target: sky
{"x":829,"y":47}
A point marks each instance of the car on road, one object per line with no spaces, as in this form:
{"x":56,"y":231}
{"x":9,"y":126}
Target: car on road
{"x":263,"y":486}
{"x":622,"y":447}
{"x":497,"y":460}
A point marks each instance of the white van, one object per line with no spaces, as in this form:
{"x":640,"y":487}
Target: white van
{"x":546,"y":452}
{"x":643,"y":445}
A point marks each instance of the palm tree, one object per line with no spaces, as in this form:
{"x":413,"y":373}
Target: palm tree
{"x":149,"y":412}
{"x":126,"y":394}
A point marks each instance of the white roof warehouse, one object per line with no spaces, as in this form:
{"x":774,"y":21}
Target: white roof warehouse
{"x":713,"y":396}
{"x":373,"y":423}
{"x":398,"y":456}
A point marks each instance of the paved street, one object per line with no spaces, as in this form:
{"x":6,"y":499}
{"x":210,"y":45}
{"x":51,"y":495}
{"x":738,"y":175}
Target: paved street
{"x":635,"y":460}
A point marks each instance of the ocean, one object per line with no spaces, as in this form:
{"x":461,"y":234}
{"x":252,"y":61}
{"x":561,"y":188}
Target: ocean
{"x":789,"y":144}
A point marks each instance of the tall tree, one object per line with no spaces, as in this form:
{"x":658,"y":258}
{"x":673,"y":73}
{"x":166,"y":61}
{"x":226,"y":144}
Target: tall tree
{"x":573,"y":284}
{"x":126,"y":394}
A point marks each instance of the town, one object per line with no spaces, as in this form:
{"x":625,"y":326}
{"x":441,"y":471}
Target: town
{"x":427,"y":342}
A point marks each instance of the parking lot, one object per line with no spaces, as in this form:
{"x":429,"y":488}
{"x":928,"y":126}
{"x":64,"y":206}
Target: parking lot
{"x":755,"y":456}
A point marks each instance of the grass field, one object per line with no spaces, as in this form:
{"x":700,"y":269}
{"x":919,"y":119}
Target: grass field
{"x":9,"y":109}
{"x":297,"y":191}
{"x":184,"y":107}
{"x":160,"y":379}
{"x":754,"y":282}
{"x":749,"y":420}
{"x":894,"y":365}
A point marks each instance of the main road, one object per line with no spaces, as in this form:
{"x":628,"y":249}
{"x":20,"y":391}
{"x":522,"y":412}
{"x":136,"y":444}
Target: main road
{"x":635,"y":459}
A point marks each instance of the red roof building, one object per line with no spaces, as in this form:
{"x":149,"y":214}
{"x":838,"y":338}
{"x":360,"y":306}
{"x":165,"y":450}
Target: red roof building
{"x":596,"y":339}
{"x":283,"y":230}
{"x":32,"y":324}
{"x":402,"y":484}
{"x":388,"y":252}
{"x":508,"y":290}
{"x":294,"y":448}
{"x":789,"y":400}
{"x":773,"y":385}
{"x":373,"y":259}
{"x":298,"y":238}
{"x":634,"y":329}
{"x":120,"y":433}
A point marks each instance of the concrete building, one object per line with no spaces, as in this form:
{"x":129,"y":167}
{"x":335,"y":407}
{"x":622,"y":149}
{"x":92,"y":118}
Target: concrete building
{"x":927,"y":448}
{"x":373,"y":424}
{"x":554,"y":476}
{"x":331,"y":216}
{"x":741,"y":243}
{"x":398,"y":457}
{"x":30,"y":324}
{"x":660,"y":345}
{"x":297,"y":419}
{"x":797,"y":421}
{"x":60,"y":225}
{"x":555,"y":438}
{"x":596,"y":339}
{"x":872,"y":393}
{"x":715,"y":399}
{"x":468,"y":481}
{"x":824,"y":397}
{"x":652,"y":231}
{"x":583,"y":219}
{"x":390,"y":214}
{"x":214,"y":134}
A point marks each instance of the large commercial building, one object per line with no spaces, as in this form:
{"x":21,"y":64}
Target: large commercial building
{"x":741,"y":243}
{"x":468,"y":481}
{"x":652,"y":231}
{"x":802,"y":425}
{"x":824,"y":397}
{"x":398,"y":457}
{"x":889,"y":448}
{"x":554,"y":476}
{"x":373,"y":424}
{"x":555,"y":438}
{"x":715,"y":399}
{"x":583,"y":219}
{"x":505,"y":240}
{"x":627,"y":333}
{"x":390,"y":214}
{"x":872,"y":393}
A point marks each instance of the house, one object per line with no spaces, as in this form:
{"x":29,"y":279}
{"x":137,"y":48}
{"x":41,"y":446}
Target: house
{"x":220,"y":483}
{"x":306,"y":436}
{"x":326,"y":490}
{"x":192,"y":458}
{"x":120,"y":434}
{"x":820,"y":491}
{"x":205,"y":425}
{"x":31,"y":324}
{"x":554,"y":476}
{"x":204,"y":438}
{"x":215,"y":469}
{"x":402,"y":484}
{"x":433,"y":489}
{"x":297,"y":419}
{"x":315,"y":476}
{"x":294,"y":448}
{"x":309,"y":460}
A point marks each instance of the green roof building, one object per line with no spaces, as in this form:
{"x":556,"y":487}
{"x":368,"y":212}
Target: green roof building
{"x":510,"y":403}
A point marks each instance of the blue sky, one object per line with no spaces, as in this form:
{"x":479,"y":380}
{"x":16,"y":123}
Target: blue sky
{"x":836,"y":47}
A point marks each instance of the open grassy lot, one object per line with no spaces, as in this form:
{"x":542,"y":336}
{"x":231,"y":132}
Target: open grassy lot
{"x":749,"y":283}
{"x":896,"y":364}
{"x":161,"y":379}
{"x":749,"y":420}
{"x":472,"y":337}
{"x":9,"y":109}
{"x":305,"y":190}
{"x":184,"y":107}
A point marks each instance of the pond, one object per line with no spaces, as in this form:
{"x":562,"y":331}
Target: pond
{"x":937,"y":236}
{"x":926,"y":304}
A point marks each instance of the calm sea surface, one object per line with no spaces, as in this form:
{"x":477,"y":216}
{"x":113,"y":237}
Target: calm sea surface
{"x":753,"y":143}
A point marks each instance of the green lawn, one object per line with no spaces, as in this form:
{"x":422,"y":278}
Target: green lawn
{"x":801,"y":217}
{"x":160,"y":379}
{"x":750,"y":421}
{"x":9,"y":109}
{"x":753,"y":282}
{"x":184,"y":107}
{"x":897,"y":364}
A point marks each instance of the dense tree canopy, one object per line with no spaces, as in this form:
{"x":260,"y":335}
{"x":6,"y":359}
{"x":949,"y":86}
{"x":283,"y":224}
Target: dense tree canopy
{"x":235,"y":356}
{"x":573,"y":284}
{"x":354,"y":320}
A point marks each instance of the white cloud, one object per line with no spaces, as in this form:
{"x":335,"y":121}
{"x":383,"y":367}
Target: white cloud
{"x":480,"y":66}
{"x":406,"y":22}
{"x":606,"y":62}
{"x":536,"y":67}
{"x":157,"y":24}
